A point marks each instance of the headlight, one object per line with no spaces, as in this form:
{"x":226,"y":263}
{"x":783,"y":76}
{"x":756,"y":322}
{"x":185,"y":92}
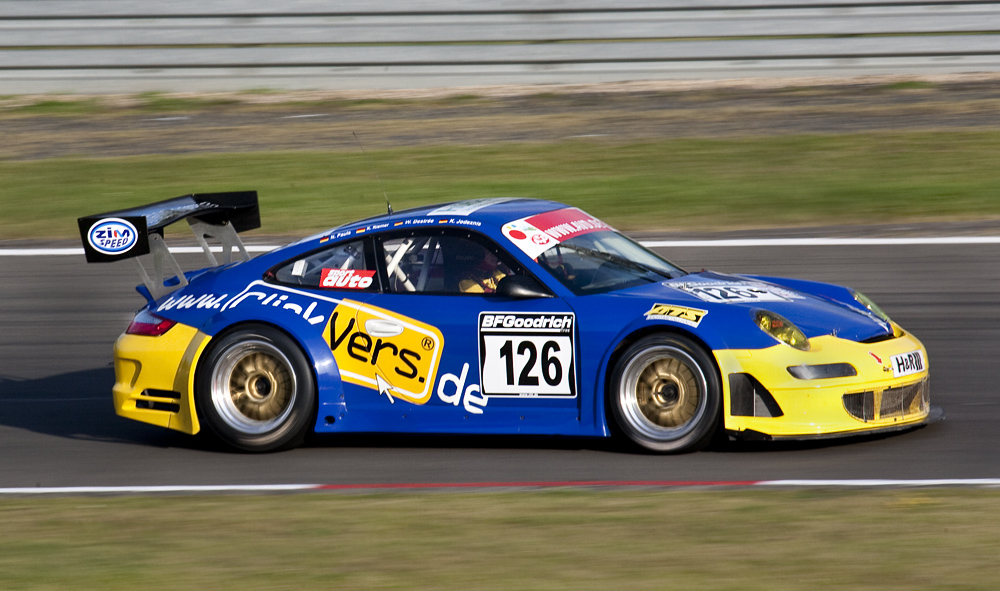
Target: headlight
{"x":872,"y":306}
{"x":781,"y":329}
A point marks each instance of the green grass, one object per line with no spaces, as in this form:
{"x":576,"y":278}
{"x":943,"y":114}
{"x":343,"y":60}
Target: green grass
{"x":572,"y":540}
{"x":671,"y":184}
{"x":65,"y":108}
{"x":157,"y":102}
{"x":910,"y":85}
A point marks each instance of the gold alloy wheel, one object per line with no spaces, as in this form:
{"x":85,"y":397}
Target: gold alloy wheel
{"x":253,"y":387}
{"x":667,"y":393}
{"x":663,"y":393}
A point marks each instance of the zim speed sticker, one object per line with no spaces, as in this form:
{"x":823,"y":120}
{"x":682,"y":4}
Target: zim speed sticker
{"x":112,"y":236}
{"x":527,"y":354}
{"x":689,"y":316}
{"x":734,"y":291}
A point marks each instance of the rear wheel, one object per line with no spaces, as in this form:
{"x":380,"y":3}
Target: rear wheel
{"x":665,"y":394}
{"x":255,"y":390}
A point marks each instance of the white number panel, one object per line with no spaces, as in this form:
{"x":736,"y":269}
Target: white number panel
{"x":528,"y":354}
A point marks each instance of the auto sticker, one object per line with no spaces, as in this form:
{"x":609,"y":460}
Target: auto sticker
{"x":684,"y":315}
{"x":906,"y":364}
{"x":734,"y":291}
{"x":390,"y":353}
{"x":527,"y":354}
{"x":345,"y":278}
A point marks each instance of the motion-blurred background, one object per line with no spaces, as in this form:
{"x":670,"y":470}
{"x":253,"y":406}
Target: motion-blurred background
{"x":670,"y":119}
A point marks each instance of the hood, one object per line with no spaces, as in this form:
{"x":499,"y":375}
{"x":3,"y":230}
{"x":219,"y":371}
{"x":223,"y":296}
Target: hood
{"x":727,"y":297}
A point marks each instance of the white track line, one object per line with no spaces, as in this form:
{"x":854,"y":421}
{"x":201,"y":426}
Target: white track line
{"x":886,"y":482}
{"x":273,"y":488}
{"x":126,"y":490}
{"x":49,"y":252}
{"x":740,"y":242}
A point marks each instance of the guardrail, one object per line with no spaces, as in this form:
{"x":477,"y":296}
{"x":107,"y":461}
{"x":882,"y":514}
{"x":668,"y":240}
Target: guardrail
{"x":132,"y":46}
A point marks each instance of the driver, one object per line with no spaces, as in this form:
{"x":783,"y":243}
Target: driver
{"x":484,"y":276}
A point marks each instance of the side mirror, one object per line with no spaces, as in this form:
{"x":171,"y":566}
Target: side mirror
{"x":521,"y":286}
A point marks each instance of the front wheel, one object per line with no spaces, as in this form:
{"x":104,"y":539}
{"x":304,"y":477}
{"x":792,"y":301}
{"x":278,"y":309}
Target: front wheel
{"x":255,"y":390}
{"x":665,"y":394}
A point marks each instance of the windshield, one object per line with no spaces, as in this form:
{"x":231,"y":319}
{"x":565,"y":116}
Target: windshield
{"x":602,"y":261}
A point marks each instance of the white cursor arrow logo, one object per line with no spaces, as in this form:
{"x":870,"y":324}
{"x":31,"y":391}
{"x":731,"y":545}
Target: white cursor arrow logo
{"x":384,"y":387}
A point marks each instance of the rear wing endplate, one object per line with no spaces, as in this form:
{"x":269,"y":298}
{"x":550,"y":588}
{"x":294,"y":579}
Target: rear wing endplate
{"x":137,"y":234}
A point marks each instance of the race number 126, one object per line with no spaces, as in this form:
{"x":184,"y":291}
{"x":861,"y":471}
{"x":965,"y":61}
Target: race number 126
{"x":527,"y":365}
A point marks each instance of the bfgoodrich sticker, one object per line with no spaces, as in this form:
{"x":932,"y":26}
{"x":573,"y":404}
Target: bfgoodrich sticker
{"x":527,"y":354}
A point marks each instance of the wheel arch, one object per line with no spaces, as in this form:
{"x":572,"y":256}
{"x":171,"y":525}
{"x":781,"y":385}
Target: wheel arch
{"x":199,"y":362}
{"x":602,"y":401}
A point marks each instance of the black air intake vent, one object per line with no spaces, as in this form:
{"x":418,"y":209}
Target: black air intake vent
{"x":748,"y":398}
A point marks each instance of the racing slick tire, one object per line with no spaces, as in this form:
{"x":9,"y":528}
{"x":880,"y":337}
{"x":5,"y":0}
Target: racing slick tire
{"x":665,"y":394}
{"x":255,"y":390}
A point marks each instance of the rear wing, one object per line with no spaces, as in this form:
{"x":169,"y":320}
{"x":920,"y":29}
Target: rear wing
{"x":137,"y":234}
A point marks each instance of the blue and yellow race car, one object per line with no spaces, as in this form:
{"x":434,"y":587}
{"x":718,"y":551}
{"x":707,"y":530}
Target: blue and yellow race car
{"x":493,"y":316}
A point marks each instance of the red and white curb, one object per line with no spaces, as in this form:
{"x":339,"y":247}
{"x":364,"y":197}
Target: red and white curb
{"x":375,"y":487}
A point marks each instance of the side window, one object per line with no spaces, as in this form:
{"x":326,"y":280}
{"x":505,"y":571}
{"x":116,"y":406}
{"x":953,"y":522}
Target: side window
{"x":343,"y":266}
{"x":437,"y":262}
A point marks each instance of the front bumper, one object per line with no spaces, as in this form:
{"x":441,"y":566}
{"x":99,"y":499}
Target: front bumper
{"x":154,"y":377}
{"x":762,"y":400}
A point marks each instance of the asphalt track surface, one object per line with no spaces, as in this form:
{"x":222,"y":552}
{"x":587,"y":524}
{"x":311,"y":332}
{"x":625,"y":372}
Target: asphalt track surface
{"x":59,"y":317}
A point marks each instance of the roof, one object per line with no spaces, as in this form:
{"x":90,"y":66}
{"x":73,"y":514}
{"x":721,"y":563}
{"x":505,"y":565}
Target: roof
{"x":493,"y":211}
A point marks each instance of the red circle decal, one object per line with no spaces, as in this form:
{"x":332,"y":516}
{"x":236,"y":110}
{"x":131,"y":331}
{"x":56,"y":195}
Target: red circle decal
{"x":517,"y":235}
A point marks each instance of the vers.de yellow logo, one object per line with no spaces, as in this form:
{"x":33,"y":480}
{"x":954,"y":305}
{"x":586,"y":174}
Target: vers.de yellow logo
{"x":384,"y":351}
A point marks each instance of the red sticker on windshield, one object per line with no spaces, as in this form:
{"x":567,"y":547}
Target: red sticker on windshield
{"x":536,"y":234}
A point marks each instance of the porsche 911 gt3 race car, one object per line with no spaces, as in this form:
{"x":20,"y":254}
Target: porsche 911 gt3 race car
{"x":493,"y":316}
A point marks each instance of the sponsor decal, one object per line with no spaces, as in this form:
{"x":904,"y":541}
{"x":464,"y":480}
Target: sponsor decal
{"x":906,"y":364}
{"x":208,"y":300}
{"x":527,"y":354}
{"x":689,"y":316}
{"x":467,"y":207}
{"x":452,"y":390}
{"x":538,"y":233}
{"x":258,"y":293}
{"x":876,"y":358}
{"x":734,"y":291}
{"x":387,"y":352}
{"x":291,"y":301}
{"x":112,"y":236}
{"x":345,"y":278}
